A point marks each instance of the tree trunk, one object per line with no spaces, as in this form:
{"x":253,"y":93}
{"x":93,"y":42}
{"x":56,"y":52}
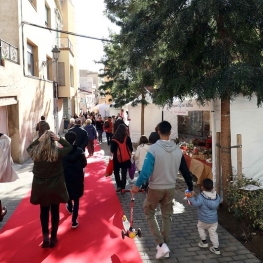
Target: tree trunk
{"x":142,"y":114}
{"x":225,"y":146}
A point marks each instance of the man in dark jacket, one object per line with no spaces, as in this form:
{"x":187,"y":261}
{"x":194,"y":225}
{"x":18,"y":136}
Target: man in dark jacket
{"x":82,"y":136}
{"x":42,"y":126}
{"x":118,"y":122}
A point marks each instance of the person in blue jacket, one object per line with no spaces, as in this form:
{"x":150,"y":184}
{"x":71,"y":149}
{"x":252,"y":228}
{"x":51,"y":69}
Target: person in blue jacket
{"x":207,"y":203}
{"x":161,"y":165}
{"x":92,"y":134}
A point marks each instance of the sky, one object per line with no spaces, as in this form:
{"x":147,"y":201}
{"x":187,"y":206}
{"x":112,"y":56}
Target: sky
{"x":90,"y":21}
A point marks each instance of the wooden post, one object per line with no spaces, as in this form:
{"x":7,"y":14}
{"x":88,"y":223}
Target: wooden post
{"x":217,"y":162}
{"x":239,"y":156}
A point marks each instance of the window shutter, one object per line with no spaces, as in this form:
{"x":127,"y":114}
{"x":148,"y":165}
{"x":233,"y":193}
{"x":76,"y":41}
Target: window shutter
{"x":61,"y":73}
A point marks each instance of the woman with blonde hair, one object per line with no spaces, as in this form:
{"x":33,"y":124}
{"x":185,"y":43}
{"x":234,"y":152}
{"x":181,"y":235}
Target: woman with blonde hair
{"x":71,"y":123}
{"x":48,"y":186}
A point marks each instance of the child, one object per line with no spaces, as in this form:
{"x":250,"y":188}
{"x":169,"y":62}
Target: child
{"x":207,"y":203}
{"x":140,"y":155}
{"x":73,"y":164}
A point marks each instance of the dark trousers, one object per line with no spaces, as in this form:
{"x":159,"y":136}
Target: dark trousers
{"x":100,"y":135}
{"x":44,"y":218}
{"x":120,"y":182}
{"x":108,"y":136}
{"x":91,"y":147}
{"x":75,"y":211}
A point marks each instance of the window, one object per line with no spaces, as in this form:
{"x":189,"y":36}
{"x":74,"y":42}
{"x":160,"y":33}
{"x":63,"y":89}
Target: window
{"x":71,"y":77}
{"x":49,"y":68}
{"x":32,"y":59}
{"x":47,"y":15}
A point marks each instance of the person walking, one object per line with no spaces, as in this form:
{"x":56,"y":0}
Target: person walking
{"x":92,"y":135}
{"x":207,"y":203}
{"x":99,"y":128}
{"x":7,"y":173}
{"x":160,"y":167}
{"x":120,"y":137}
{"x":82,"y":135}
{"x":140,"y":154}
{"x":73,"y":164}
{"x":48,"y":186}
{"x":108,"y":129}
{"x":42,"y":126}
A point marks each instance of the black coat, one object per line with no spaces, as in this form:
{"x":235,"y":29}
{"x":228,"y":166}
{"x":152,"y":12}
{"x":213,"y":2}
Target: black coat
{"x":73,"y":164}
{"x":82,"y":136}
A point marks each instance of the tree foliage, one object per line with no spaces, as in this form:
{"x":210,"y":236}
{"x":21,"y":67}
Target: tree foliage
{"x":208,"y":48}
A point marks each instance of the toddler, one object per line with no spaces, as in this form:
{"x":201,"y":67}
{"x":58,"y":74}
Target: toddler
{"x":207,"y":203}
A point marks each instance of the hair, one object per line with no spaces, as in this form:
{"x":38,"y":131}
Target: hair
{"x":72,"y":120}
{"x":164,"y":127}
{"x":207,"y":184}
{"x":42,"y":118}
{"x":71,"y":137}
{"x":88,"y":121}
{"x":157,"y":128}
{"x":46,"y":150}
{"x":120,"y":133}
{"x":78,"y":121}
{"x":143,"y":140}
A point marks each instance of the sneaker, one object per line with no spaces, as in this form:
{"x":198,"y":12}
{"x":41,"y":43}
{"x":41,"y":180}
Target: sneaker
{"x":75,"y":224}
{"x":215,"y":250}
{"x":118,"y":189}
{"x":203,"y":243}
{"x":162,"y":251}
{"x":166,"y":255}
{"x":69,"y":211}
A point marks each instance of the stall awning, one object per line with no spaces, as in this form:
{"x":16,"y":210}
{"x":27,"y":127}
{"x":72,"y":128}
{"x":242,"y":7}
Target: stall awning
{"x":7,"y":101}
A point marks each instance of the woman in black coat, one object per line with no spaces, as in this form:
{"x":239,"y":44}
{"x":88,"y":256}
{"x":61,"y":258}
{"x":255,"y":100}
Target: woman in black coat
{"x":73,"y":164}
{"x":120,"y":135}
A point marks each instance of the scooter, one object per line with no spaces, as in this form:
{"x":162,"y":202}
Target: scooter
{"x":129,"y":230}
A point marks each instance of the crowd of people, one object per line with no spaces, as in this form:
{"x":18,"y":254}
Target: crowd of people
{"x":58,"y":175}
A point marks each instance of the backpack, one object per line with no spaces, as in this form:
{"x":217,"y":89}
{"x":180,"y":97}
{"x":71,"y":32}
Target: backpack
{"x":123,"y":151}
{"x":106,"y":124}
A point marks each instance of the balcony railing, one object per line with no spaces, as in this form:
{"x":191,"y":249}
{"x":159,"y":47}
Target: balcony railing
{"x":65,"y":44}
{"x":8,"y":51}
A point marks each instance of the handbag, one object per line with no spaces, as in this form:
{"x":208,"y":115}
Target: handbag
{"x":132,"y":170}
{"x":109,"y":168}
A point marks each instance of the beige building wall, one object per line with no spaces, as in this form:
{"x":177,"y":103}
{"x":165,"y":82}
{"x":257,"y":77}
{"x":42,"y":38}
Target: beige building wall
{"x":33,"y":94}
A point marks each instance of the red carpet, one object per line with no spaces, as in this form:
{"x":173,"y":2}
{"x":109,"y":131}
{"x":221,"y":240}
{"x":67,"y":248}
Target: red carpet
{"x":97,"y":239}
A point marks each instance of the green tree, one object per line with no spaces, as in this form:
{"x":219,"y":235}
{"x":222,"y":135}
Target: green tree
{"x":211,"y":49}
{"x":123,"y":83}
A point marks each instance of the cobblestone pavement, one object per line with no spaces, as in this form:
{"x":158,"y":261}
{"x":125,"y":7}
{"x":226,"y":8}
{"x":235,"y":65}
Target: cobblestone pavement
{"x":184,"y":235}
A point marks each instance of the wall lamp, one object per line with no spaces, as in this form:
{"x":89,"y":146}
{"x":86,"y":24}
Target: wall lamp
{"x":55,"y":51}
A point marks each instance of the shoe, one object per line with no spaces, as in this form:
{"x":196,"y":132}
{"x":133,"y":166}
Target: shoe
{"x":4,"y":211}
{"x":215,"y":250}
{"x":45,"y":243}
{"x":122,"y":191}
{"x":162,"y":251}
{"x":118,"y":189}
{"x":75,"y":224}
{"x":53,"y":241}
{"x":166,"y":255}
{"x":203,"y":243}
{"x":69,"y":211}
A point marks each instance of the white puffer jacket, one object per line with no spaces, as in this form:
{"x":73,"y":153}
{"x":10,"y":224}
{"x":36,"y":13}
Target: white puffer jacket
{"x":140,"y":154}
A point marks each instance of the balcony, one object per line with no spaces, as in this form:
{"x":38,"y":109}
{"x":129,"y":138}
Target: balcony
{"x":65,"y":44}
{"x":8,"y":51}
